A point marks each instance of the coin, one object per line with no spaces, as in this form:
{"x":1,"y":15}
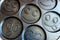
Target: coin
{"x":51,"y":23}
{"x":31,"y":13}
{"x":47,"y":4}
{"x":34,"y":32}
{"x":12,"y":27}
{"x":10,"y":7}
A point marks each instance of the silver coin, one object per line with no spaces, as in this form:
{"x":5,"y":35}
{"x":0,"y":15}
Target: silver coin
{"x":47,"y":4}
{"x":34,"y":32}
{"x":51,"y":23}
{"x":31,"y":13}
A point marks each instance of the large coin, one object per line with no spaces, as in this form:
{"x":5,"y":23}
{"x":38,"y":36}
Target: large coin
{"x":50,"y":21}
{"x":10,"y":7}
{"x":12,"y":27}
{"x":34,"y":32}
{"x":31,"y":13}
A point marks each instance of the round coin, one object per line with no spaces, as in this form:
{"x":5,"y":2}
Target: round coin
{"x":31,"y":13}
{"x":10,"y":7}
{"x":12,"y":27}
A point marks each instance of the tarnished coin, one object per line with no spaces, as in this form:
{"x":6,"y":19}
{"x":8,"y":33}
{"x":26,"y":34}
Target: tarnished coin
{"x":50,"y":21}
{"x":12,"y":27}
{"x":31,"y":13}
{"x":10,"y":7}
{"x":34,"y":32}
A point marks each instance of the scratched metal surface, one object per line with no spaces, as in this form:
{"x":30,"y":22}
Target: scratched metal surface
{"x":50,"y":35}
